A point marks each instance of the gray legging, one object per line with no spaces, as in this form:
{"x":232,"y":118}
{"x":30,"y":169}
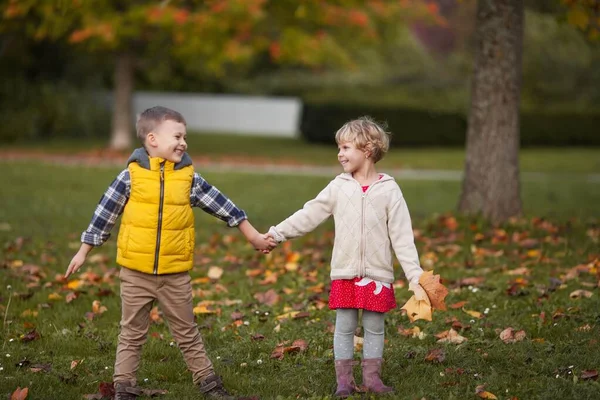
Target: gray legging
{"x":346,"y":321}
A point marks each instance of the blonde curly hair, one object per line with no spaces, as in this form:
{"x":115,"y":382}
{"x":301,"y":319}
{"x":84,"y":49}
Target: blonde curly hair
{"x":367,"y":135}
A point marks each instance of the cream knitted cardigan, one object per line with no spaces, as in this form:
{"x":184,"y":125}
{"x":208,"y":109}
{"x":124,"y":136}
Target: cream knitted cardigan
{"x":368,"y":226}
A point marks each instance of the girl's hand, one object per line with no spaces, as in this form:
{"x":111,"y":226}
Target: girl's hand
{"x":418,"y":290}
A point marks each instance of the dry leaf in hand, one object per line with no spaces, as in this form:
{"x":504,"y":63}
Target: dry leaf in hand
{"x":435,"y":290}
{"x":417,"y":309}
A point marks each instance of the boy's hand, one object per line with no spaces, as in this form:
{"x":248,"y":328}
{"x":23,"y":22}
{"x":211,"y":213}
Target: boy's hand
{"x":78,"y":259}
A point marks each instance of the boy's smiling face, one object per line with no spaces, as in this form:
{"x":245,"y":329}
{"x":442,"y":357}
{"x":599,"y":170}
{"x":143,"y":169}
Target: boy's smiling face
{"x":168,"y":141}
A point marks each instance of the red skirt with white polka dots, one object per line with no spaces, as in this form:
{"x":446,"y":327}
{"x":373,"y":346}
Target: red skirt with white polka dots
{"x":362,"y":293}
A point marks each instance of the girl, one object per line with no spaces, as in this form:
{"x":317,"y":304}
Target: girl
{"x":371,"y":219}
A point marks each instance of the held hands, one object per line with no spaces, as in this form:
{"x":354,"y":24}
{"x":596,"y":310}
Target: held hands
{"x":263,"y":242}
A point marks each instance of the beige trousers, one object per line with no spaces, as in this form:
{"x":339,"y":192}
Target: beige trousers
{"x":173,"y":292}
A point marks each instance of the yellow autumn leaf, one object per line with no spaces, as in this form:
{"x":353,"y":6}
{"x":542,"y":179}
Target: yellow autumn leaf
{"x":203,"y":309}
{"x":358,"y":343}
{"x":54,"y":296}
{"x":29,"y":313}
{"x":75,"y":284}
{"x":287,"y":315}
{"x":97,"y":307}
{"x":418,"y":309}
{"x":291,"y":266}
{"x":473,"y":313}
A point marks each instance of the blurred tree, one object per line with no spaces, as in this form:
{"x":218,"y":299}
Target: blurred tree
{"x":209,"y":37}
{"x":491,"y":183}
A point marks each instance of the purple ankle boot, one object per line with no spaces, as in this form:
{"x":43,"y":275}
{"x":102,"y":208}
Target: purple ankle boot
{"x":344,"y":377}
{"x":372,"y":376}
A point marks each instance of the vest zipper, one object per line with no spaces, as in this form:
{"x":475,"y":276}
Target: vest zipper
{"x":160,"y":212}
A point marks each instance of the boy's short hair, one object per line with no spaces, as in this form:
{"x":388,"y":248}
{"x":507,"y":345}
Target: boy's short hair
{"x":152,"y":117}
{"x":367,"y":135}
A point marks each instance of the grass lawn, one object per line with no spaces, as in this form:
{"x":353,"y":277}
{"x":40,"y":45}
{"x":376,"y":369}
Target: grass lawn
{"x":220,"y":147}
{"x":524,"y":275}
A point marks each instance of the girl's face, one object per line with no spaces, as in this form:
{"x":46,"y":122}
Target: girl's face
{"x":351,"y":158}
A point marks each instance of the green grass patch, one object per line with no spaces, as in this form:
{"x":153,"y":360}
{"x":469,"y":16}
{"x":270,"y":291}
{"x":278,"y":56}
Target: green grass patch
{"x":519,"y":275}
{"x":228,"y":147}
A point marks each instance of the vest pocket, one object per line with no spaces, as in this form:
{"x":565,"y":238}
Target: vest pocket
{"x":123,"y":242}
{"x":190,"y":244}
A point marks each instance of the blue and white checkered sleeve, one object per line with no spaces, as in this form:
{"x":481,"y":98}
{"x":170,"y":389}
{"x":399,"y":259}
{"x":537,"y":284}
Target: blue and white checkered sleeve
{"x":212,"y":201}
{"x":109,"y":208}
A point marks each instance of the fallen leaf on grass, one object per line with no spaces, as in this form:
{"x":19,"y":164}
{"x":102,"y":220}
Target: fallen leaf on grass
{"x":40,"y":368}
{"x":452,"y":337}
{"x":508,"y":335}
{"x":589,"y":374}
{"x":155,"y":316}
{"x":54,"y":296}
{"x":434,"y":289}
{"x":203,"y":309}
{"x":436,"y":356}
{"x":270,"y":297}
{"x":215,"y":273}
{"x":472,"y":313}
{"x":98,"y":308}
{"x":460,"y":304}
{"x":20,"y":394}
{"x":299,"y":345}
{"x":480,"y":391}
{"x":579,"y":294}
{"x":358,"y":343}
{"x":30,"y":336}
{"x":411,"y":332}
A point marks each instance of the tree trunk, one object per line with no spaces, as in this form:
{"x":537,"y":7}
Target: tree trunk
{"x":121,"y":138}
{"x":491,"y":182}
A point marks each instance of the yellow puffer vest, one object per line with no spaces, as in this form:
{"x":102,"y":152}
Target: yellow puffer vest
{"x":157,"y":227}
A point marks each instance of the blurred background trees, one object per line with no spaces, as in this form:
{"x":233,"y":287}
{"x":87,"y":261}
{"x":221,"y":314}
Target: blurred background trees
{"x":411,"y":63}
{"x":57,"y":54}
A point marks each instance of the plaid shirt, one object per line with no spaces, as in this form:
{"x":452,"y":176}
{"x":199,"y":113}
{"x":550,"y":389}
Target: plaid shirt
{"x":112,"y":203}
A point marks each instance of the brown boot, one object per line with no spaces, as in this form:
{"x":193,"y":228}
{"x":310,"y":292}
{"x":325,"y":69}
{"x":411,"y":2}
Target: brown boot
{"x":344,"y":377}
{"x":372,"y":376}
{"x":212,"y":388}
{"x":125,"y":391}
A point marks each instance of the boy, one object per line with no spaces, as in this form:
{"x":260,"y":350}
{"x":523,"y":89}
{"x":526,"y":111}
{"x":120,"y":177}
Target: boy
{"x":155,"y":246}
